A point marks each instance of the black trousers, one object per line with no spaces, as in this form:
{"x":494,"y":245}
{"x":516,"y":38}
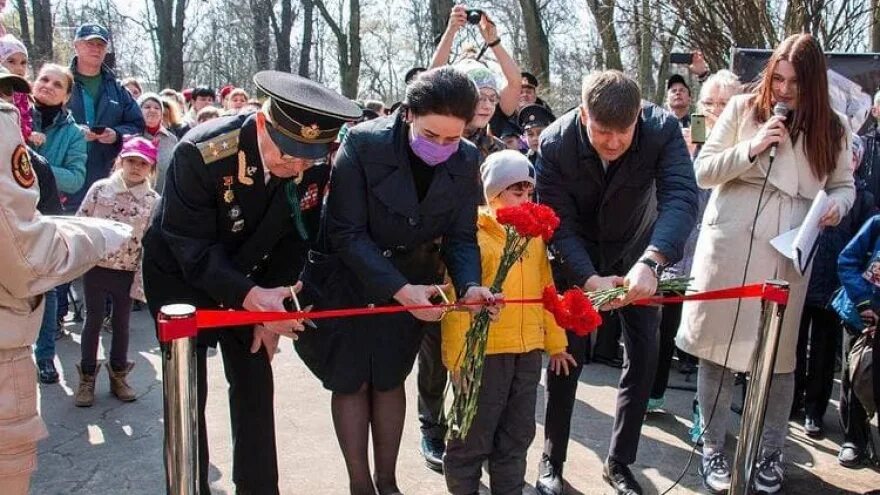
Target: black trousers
{"x":502,"y":430}
{"x":856,"y":428}
{"x":817,"y":351}
{"x":432,"y":384}
{"x":639,"y":325}
{"x":607,"y":344}
{"x":670,"y":318}
{"x":251,"y":410}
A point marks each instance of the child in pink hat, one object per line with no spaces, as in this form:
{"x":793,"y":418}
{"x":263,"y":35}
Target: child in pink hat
{"x":126,"y":196}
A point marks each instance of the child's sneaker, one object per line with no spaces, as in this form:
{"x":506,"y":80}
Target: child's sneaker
{"x":715,"y":472}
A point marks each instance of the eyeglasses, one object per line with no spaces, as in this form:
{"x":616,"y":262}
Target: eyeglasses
{"x":493,"y":99}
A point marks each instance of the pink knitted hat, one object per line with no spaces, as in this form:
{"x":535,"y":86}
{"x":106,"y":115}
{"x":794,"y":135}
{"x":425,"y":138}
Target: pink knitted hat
{"x":141,"y":148}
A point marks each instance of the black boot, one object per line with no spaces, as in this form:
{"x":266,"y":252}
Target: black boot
{"x":549,"y":477}
{"x":621,"y":478}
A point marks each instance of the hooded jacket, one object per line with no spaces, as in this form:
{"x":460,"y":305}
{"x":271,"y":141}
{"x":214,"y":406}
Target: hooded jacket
{"x":521,"y":327}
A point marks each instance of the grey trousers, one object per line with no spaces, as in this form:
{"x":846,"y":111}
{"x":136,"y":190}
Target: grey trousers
{"x":503,"y":428}
{"x":775,"y":419}
{"x":432,"y":384}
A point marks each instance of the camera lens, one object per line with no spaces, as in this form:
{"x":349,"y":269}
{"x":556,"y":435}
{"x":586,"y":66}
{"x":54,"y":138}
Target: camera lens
{"x":474,"y":16}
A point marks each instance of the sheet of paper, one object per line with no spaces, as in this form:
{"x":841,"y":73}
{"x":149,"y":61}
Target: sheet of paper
{"x":784,"y":243}
{"x":808,"y":233}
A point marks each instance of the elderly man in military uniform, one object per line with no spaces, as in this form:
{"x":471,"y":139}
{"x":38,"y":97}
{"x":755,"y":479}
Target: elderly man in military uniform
{"x":38,"y":253}
{"x":240,"y":210}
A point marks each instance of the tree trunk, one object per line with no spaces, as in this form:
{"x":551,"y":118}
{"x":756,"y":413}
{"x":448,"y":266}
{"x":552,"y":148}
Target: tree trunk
{"x":282,"y":36}
{"x":538,"y":44}
{"x":440,"y":10}
{"x":352,"y":73}
{"x":603,"y":12}
{"x":348,"y":46}
{"x":42,"y":43}
{"x":875,"y":25}
{"x":21,"y":7}
{"x":170,"y":20}
{"x":261,"y":10}
{"x":646,"y":49}
{"x":308,"y":26}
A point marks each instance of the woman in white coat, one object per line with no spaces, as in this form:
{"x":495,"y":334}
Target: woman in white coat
{"x":813,"y":154}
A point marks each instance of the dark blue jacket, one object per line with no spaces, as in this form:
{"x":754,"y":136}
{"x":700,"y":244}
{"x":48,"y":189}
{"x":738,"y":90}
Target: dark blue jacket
{"x":647,"y":198}
{"x":115,"y":108}
{"x":824,"y":280}
{"x":855,"y":260}
{"x":373,"y":215}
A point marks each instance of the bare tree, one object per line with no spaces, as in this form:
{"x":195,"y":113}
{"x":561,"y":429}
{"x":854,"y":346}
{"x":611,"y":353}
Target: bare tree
{"x":603,"y":13}
{"x":306,"y":44}
{"x":262,"y":10}
{"x":439,"y":17}
{"x":538,"y":43}
{"x":170,"y":21}
{"x":348,"y":45}
{"x":281,"y":29}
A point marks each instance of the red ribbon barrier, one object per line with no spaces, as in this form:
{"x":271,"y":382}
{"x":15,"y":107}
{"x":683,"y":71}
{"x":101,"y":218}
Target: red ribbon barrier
{"x":206,"y":318}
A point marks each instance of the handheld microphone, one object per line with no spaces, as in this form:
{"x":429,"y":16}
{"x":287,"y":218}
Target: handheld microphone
{"x":779,"y":110}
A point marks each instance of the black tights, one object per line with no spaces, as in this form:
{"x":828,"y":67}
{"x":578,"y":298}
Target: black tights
{"x":357,"y":415}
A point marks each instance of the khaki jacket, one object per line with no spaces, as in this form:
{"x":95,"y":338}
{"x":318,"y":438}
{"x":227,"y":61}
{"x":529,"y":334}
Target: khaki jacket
{"x":38,"y":252}
{"x":725,"y":233}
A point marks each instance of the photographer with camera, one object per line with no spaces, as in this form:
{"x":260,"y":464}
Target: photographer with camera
{"x":506,"y":98}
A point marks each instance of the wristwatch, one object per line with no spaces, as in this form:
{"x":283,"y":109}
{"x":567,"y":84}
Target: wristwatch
{"x":655,"y":267}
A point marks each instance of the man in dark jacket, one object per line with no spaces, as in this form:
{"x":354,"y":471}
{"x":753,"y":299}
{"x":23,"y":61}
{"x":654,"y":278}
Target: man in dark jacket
{"x":101,"y":105}
{"x":618,"y":174}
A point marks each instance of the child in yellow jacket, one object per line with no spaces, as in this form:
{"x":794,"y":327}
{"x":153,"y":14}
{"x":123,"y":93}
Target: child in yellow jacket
{"x":504,"y":425}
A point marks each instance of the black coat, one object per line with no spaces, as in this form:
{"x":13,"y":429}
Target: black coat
{"x":647,"y":198}
{"x":220,"y":229}
{"x":378,"y":237}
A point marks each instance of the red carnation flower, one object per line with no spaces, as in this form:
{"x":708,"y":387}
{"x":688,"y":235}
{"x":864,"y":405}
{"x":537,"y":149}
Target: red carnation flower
{"x":573,"y":311}
{"x":530,"y":220}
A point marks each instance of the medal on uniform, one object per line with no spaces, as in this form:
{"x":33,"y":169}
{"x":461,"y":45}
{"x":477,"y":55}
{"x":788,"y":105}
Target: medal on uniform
{"x":234,"y":212}
{"x":243,"y":170}
{"x":238,"y":225}
{"x":228,"y":194}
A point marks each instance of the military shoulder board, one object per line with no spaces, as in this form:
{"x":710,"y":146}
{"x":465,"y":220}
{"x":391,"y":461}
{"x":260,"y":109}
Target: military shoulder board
{"x":219,"y":147}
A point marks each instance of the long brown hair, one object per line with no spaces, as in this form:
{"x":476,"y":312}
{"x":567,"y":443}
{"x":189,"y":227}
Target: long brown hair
{"x":821,"y":128}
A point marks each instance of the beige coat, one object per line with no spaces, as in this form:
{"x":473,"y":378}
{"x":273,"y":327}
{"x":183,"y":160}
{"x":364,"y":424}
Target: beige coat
{"x":38,"y":252}
{"x":723,"y":244}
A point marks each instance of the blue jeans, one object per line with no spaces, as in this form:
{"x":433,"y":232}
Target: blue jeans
{"x":45,"y":348}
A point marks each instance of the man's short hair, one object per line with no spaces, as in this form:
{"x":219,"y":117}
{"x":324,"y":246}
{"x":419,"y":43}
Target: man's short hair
{"x":611,"y":98}
{"x":877,"y":98}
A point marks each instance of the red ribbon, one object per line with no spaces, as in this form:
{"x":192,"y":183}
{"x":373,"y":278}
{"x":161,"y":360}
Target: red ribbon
{"x":216,"y":319}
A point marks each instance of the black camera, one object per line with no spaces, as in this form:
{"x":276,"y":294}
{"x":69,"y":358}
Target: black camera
{"x":474,"y":16}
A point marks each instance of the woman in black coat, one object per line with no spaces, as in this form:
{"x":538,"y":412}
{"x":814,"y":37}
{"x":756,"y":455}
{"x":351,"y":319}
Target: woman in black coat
{"x":402,"y":205}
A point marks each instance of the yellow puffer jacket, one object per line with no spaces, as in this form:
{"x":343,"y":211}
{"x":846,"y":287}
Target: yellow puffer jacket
{"x":521,"y":327}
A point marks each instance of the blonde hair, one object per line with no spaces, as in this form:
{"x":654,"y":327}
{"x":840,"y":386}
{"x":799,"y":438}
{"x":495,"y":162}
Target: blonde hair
{"x":171,"y":111}
{"x":207,"y":113}
{"x":723,"y":80}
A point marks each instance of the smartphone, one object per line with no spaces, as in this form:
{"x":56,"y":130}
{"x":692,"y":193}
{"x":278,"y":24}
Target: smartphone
{"x":98,"y":129}
{"x":681,"y":58}
{"x":698,"y":128}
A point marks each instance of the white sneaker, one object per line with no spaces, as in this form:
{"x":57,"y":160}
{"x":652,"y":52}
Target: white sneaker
{"x":769,"y":473}
{"x":715,"y":472}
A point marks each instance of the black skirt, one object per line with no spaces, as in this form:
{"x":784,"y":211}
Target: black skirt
{"x":345,"y":353}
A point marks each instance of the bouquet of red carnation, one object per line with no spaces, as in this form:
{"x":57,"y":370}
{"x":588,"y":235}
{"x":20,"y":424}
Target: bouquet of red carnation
{"x":572,"y":311}
{"x":521,"y":224}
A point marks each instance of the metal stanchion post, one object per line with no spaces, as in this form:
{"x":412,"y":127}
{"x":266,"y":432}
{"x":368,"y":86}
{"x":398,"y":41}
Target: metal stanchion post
{"x":177,"y":334}
{"x":763,"y":363}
